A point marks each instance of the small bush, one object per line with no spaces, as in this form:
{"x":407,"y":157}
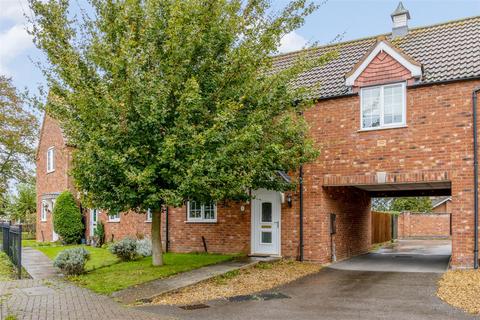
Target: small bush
{"x":67,"y":218}
{"x":99,"y":234}
{"x":72,"y":261}
{"x":125,"y":249}
{"x":144,"y":247}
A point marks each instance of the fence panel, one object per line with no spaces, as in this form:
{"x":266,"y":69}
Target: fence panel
{"x":381,"y":227}
{"x":15,"y":239}
{"x":12,"y":244}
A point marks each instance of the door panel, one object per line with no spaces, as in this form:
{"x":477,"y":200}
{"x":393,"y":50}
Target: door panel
{"x":265,"y":235}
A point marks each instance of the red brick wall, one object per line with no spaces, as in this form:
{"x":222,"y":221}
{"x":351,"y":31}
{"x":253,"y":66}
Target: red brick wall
{"x":437,"y":142}
{"x":411,"y":225}
{"x":382,"y":69}
{"x":53,"y":182}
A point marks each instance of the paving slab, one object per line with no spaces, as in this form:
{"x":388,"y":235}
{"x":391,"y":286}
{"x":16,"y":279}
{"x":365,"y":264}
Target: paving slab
{"x":55,"y":298}
{"x":146,"y":292}
{"x":38,"y":265}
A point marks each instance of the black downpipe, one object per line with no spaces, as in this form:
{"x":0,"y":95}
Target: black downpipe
{"x":475,"y":177}
{"x":300,"y":178}
{"x":166,"y":230}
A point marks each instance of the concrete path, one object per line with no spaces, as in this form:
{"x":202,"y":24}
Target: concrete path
{"x":146,"y":292}
{"x":38,"y":265}
{"x":56,"y":299}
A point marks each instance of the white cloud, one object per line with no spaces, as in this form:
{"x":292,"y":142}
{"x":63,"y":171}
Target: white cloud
{"x":12,"y":10}
{"x":292,"y":41}
{"x":13,"y":42}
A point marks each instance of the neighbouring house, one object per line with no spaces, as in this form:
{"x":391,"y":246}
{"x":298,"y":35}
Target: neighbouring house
{"x":441,"y":204}
{"x":393,"y":117}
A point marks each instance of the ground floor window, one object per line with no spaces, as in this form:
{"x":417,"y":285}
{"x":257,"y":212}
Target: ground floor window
{"x":114,"y":217}
{"x":199,"y":212}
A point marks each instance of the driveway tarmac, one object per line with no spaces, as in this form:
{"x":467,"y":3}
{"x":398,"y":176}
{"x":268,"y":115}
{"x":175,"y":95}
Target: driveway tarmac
{"x":344,"y":293}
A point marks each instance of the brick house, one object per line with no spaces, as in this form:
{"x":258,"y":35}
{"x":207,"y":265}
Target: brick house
{"x":393,"y":117}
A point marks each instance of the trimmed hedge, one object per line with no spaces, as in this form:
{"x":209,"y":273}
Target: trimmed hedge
{"x":67,"y":218}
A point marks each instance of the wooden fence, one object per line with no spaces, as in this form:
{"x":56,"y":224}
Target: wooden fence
{"x":382,"y":230}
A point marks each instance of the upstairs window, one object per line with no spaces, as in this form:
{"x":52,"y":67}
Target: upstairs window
{"x":114,"y":217}
{"x":149,"y":215}
{"x":197,"y":212}
{"x":383,"y":106}
{"x":51,"y":159}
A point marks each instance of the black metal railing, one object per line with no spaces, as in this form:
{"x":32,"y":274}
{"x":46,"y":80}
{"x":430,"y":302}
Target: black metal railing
{"x":12,"y":244}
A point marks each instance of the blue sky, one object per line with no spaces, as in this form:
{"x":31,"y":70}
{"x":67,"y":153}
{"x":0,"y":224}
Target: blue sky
{"x":350,"y":18}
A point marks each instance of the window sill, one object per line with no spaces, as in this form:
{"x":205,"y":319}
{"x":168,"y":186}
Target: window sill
{"x":113,"y":221}
{"x":43,"y":221}
{"x":148,"y":221}
{"x":383,"y":128}
{"x":200,"y":222}
{"x":50,"y":171}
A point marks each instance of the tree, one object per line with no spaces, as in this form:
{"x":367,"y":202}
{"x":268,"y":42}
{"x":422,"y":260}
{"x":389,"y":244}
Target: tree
{"x":18,"y":133}
{"x":167,"y":101}
{"x":412,"y":204}
{"x":67,"y":218}
{"x":23,"y":206}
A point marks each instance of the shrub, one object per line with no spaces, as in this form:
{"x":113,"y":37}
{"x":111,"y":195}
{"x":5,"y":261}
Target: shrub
{"x":67,"y":218}
{"x":72,"y":261}
{"x":144,"y":247}
{"x":99,"y":234}
{"x":125,"y":249}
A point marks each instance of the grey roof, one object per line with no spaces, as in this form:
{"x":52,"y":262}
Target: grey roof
{"x":447,"y":51}
{"x":400,"y":10}
{"x":436,"y":201}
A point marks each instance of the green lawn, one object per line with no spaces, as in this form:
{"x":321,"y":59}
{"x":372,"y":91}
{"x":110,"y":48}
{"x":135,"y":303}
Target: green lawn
{"x":99,"y":257}
{"x":105,"y":274}
{"x":6,"y":268}
{"x":125,"y":274}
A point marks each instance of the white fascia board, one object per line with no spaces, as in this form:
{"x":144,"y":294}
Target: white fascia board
{"x":415,"y":70}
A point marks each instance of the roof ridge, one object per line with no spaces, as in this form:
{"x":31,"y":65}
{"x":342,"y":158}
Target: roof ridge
{"x":373,"y":37}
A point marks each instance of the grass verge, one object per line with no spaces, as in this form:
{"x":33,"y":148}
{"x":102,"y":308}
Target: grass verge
{"x":261,"y":277}
{"x":6,"y":268}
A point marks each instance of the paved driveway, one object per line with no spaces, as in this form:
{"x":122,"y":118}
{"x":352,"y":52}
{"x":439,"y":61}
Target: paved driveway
{"x":345,"y":294}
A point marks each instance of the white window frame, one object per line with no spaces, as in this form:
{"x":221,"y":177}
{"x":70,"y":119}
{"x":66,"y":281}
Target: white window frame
{"x":114,"y":217}
{"x":50,"y":159}
{"x":43,"y":211}
{"x":202,"y":218}
{"x":149,"y":215}
{"x":382,"y":107}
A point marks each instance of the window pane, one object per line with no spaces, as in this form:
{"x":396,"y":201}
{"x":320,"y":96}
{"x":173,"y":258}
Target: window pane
{"x":209,"y":211}
{"x":195,"y":210}
{"x":371,"y":107}
{"x":393,"y":107}
{"x":266,"y":237}
{"x":266,"y":212}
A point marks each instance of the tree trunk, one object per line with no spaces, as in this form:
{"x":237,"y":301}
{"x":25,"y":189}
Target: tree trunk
{"x":157,"y":259}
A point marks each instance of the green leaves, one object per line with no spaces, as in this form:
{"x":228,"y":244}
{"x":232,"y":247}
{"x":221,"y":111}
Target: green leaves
{"x":172,"y":100}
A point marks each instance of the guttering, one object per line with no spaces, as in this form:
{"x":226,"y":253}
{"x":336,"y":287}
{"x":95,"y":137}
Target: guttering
{"x":300,"y":178}
{"x":475,"y":177}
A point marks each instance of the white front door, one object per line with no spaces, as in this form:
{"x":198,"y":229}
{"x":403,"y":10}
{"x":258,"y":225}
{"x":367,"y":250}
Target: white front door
{"x":93,"y":221}
{"x":265,"y":237}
